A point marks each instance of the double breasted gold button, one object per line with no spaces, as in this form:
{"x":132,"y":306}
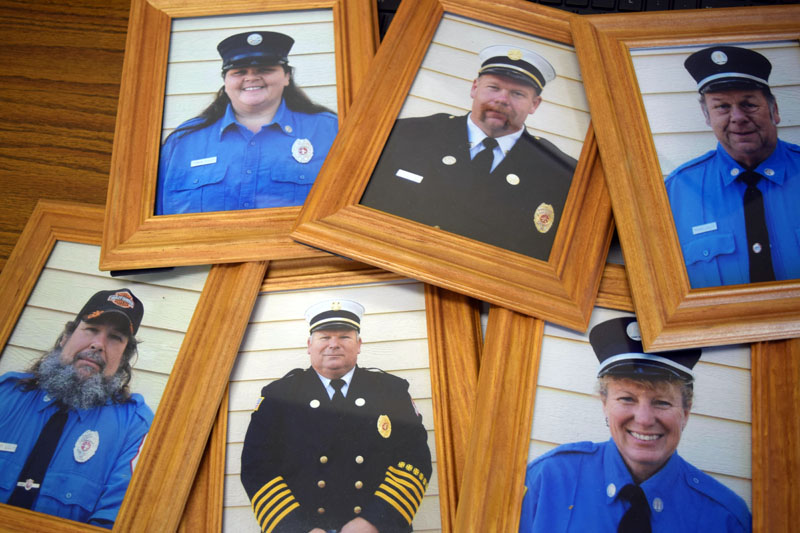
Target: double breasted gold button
{"x":321,"y":483}
{"x":359,"y":459}
{"x":357,"y":509}
{"x":321,"y":510}
{"x":323,"y":459}
{"x":359,"y":484}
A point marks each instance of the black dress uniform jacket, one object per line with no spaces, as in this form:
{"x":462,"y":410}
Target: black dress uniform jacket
{"x":497,"y":209}
{"x":306,"y":464}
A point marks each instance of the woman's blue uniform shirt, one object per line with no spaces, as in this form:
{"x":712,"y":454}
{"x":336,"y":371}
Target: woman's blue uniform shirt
{"x":575,"y":488}
{"x":89,"y":491}
{"x":226,"y":166}
{"x":706,"y":201}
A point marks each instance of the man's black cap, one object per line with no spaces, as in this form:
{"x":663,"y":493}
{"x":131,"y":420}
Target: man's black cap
{"x":254,"y":48}
{"x":617,"y":343}
{"x":721,"y":68}
{"x":120,"y":303}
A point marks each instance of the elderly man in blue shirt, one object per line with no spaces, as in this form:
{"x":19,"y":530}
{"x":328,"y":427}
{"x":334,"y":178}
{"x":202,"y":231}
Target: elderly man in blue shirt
{"x":735,"y":208}
{"x":260,"y":143}
{"x":70,"y":429}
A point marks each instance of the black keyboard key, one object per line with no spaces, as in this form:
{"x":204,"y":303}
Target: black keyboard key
{"x":656,"y":5}
{"x":603,"y":4}
{"x":685,"y":4}
{"x":577,"y":3}
{"x":630,"y":5}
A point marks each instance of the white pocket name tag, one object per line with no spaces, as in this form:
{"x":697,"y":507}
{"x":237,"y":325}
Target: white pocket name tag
{"x":410,"y":176}
{"x":204,"y":161}
{"x":8,"y":447}
{"x":704,"y":228}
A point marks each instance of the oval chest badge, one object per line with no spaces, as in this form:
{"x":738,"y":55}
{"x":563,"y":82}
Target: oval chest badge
{"x":86,"y":446}
{"x":384,"y":426}
{"x":544,"y":217}
{"x":302,"y":150}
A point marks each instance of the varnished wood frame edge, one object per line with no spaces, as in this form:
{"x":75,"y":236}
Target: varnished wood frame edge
{"x":133,"y":238}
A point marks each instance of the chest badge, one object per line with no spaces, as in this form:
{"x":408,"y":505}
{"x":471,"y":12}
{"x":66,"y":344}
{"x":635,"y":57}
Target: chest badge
{"x":302,"y":150}
{"x":543,"y":217}
{"x":384,"y":426}
{"x":86,"y":446}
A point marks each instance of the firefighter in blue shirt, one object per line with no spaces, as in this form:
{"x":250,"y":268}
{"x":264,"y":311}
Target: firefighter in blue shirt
{"x":70,"y":429}
{"x":636,"y":481}
{"x":735,"y":208}
{"x":260,"y":143}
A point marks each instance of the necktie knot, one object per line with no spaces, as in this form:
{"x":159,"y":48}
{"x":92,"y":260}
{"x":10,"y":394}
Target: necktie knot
{"x":750,"y":178}
{"x":483,"y":160}
{"x":337,"y":384}
{"x":489,"y":143}
{"x":637,"y":518}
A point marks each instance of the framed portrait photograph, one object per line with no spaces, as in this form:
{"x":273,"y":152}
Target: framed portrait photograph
{"x":424,"y":339}
{"x":727,"y":442}
{"x":101,"y":368}
{"x":227,"y":111}
{"x":527,"y":224}
{"x":699,"y":133}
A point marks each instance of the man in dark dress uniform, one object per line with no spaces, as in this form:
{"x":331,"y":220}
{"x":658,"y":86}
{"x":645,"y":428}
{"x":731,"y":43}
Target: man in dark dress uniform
{"x":481,"y":175}
{"x":335,"y":447}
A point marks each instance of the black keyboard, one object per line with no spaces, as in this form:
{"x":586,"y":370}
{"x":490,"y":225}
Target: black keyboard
{"x":387,"y":8}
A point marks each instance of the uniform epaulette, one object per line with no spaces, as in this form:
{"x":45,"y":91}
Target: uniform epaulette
{"x":293,"y":372}
{"x":713,"y":489}
{"x":692,"y":162}
{"x":583,"y":446}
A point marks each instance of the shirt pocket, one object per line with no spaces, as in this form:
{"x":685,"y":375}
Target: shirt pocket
{"x":196,"y":189}
{"x":291,"y":182}
{"x":10,"y":468}
{"x":706,"y":248}
{"x":67,"y":490}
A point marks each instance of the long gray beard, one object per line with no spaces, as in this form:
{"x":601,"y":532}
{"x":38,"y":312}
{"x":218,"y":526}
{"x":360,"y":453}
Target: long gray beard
{"x":62,"y":383}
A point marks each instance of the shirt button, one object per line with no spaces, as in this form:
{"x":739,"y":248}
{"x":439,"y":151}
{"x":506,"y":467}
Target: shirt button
{"x":248,"y":171}
{"x":359,"y":484}
{"x":321,"y":483}
{"x":302,"y":177}
{"x":252,"y":143}
{"x":695,"y":481}
{"x":705,"y":253}
{"x":68,"y":495}
{"x":359,"y":459}
{"x":323,"y":459}
{"x":195,"y":181}
{"x":246,"y":204}
{"x":757,"y":247}
{"x":357,"y":509}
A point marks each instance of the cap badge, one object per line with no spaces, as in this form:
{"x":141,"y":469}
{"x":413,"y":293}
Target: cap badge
{"x":336,"y":306}
{"x":543,"y":217}
{"x":719,"y":57}
{"x":384,"y":426}
{"x":512,"y":179}
{"x":514,"y":54}
{"x":633,"y":331}
{"x":449,"y":160}
{"x":86,"y":446}
{"x":93,"y":314}
{"x":254,"y":39}
{"x":302,"y":150}
{"x":122,"y":299}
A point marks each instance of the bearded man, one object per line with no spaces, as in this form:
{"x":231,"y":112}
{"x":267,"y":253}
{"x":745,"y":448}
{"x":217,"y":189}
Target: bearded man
{"x":70,"y":429}
{"x":481,"y":175}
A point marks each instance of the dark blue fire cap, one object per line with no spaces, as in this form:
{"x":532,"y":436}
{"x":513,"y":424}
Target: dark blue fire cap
{"x":617,"y":343}
{"x":721,"y":68}
{"x":254,"y":48}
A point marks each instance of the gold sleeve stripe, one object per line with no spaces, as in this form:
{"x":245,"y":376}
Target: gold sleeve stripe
{"x":274,"y":505}
{"x":392,"y":502}
{"x":419,"y":487}
{"x":266,"y":486}
{"x":409,"y":498}
{"x":281,"y":516}
{"x":265,"y":499}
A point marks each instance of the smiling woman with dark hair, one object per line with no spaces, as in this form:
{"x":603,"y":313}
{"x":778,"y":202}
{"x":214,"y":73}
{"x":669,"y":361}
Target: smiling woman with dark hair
{"x":635,"y":482}
{"x":260,"y":143}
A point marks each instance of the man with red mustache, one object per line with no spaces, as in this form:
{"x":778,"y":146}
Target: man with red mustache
{"x":70,"y":429}
{"x":735,"y":207}
{"x":481,"y":175}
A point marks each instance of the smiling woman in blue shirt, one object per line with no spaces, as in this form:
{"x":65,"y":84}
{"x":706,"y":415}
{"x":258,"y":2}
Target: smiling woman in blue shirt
{"x":260,"y":143}
{"x":635,"y":481}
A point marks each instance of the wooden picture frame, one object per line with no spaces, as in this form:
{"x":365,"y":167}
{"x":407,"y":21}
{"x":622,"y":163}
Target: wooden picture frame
{"x":133,"y":237}
{"x":492,"y":490}
{"x":454,"y":345}
{"x":175,"y":442}
{"x":673,"y":315}
{"x":561,"y":289}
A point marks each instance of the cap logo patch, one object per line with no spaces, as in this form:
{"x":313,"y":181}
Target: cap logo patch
{"x":122,"y":299}
{"x":254,"y":39}
{"x":633,"y":331}
{"x":514,"y":55}
{"x":543,"y":217}
{"x":95,"y":314}
{"x":336,"y":306}
{"x":719,"y":57}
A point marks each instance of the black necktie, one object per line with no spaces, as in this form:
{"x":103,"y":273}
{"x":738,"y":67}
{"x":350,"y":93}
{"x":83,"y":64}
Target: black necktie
{"x":758,"y":247}
{"x":32,"y":475}
{"x":483,"y":160}
{"x":637,"y":518}
{"x":338,"y":397}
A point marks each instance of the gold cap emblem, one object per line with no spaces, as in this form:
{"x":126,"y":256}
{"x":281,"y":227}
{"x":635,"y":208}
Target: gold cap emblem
{"x":544,"y":217}
{"x":514,"y":54}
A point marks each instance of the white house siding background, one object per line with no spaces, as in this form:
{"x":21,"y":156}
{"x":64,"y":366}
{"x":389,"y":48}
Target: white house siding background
{"x":394,"y":337}
{"x":451,"y":63}
{"x":717,"y":438}
{"x":194,"y":66}
{"x":670,"y":98}
{"x":70,"y":278}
